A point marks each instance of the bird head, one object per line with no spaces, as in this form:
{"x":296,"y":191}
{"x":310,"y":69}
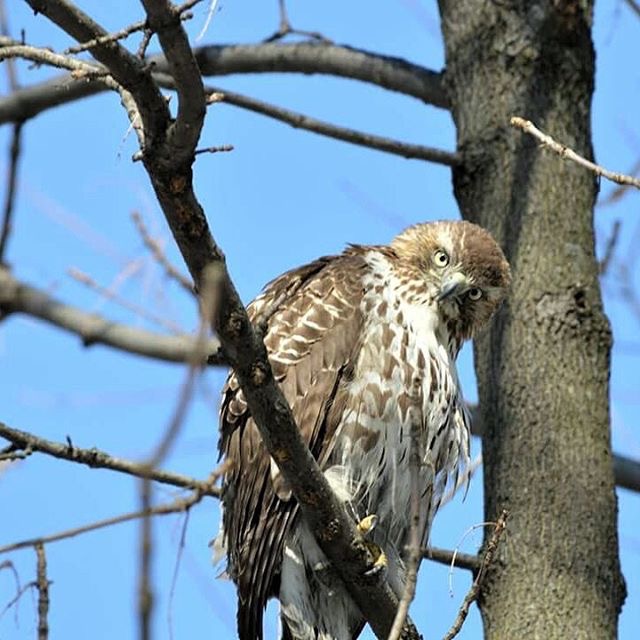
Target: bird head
{"x":464,"y":270}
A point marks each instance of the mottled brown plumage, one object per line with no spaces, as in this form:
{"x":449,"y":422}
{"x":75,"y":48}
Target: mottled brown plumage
{"x":348,"y":336}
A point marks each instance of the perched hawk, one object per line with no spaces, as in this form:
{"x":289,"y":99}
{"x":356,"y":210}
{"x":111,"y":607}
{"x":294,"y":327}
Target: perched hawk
{"x":363,"y":345}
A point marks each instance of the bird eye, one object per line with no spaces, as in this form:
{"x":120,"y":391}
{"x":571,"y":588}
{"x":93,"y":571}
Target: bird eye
{"x":440,"y":258}
{"x":475,"y":293}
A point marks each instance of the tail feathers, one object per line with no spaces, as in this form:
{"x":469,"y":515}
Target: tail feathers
{"x":249,"y":620}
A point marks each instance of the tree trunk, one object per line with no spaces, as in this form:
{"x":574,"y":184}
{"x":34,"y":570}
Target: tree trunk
{"x":543,"y":368}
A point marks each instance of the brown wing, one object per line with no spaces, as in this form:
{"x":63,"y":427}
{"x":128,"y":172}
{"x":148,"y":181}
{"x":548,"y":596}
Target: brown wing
{"x":313,"y":324}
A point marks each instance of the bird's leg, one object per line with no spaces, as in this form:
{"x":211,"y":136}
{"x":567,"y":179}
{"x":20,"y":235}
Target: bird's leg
{"x":365,"y":527}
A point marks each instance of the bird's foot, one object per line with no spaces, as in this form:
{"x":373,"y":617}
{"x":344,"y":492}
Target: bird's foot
{"x":378,"y":556}
{"x":367,"y":524}
{"x":380,"y":561}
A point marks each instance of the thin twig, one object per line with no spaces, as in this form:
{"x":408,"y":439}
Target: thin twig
{"x":157,"y":252}
{"x":79,"y":70}
{"x":109,"y":294}
{"x":566,"y":152}
{"x":7,"y":564}
{"x":222,"y":148}
{"x":634,"y":6}
{"x":97,"y":459}
{"x":14,"y":147}
{"x":285,"y":28}
{"x":618,"y":192}
{"x":12,"y":73}
{"x":176,"y":569}
{"x":9,"y":198}
{"x":42,"y":584}
{"x":302,"y":121}
{"x":127,"y":31}
{"x":205,"y":488}
{"x":604,"y":264}
{"x":487,"y":559}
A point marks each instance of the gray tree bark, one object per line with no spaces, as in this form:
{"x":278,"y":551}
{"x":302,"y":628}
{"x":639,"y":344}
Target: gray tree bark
{"x":543,"y":368}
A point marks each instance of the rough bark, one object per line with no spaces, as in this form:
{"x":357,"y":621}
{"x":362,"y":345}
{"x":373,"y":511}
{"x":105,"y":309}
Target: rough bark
{"x":543,"y":368}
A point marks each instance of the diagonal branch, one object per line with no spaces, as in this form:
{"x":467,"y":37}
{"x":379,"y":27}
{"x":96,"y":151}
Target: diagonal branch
{"x":566,"y":152}
{"x":335,"y":531}
{"x":301,"y":121}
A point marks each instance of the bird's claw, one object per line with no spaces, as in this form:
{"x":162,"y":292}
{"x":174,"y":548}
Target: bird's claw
{"x":380,"y":562}
{"x":367,"y":524}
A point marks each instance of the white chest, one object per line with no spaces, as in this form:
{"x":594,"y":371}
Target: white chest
{"x":404,"y":379}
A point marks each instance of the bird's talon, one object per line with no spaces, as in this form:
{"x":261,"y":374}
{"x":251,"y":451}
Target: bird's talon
{"x":380,"y":563}
{"x":367,"y":525}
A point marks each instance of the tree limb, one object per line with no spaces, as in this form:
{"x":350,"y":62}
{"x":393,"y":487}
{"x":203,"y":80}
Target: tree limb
{"x":302,"y":121}
{"x":9,"y":198}
{"x":390,"y":73}
{"x":96,"y":459}
{"x":42,"y":584}
{"x":452,"y":558}
{"x":130,"y":72}
{"x":566,"y":152}
{"x":17,"y":297}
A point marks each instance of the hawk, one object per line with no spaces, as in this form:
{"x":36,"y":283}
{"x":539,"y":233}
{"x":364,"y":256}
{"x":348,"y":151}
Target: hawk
{"x":363,"y":345}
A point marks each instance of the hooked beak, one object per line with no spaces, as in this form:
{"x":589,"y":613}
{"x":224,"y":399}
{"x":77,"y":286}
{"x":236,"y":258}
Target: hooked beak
{"x":452,"y":286}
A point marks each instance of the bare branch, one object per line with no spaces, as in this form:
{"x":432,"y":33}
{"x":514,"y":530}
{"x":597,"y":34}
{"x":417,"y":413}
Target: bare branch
{"x":9,"y":198}
{"x":627,"y":472}
{"x":121,"y":34}
{"x":42,"y":584}
{"x":127,"y":70}
{"x":97,"y":459}
{"x":334,"y":529}
{"x":17,"y":297}
{"x":109,"y":294}
{"x":177,"y":506}
{"x":301,"y":121}
{"x":285,"y":28}
{"x":394,"y":74}
{"x":452,"y":558}
{"x":80,"y":70}
{"x":566,"y":152}
{"x":12,"y":73}
{"x":634,"y":6}
{"x":159,"y":255}
{"x":223,"y":148}
{"x":487,"y":559}
{"x":621,"y":190}
{"x":390,"y":73}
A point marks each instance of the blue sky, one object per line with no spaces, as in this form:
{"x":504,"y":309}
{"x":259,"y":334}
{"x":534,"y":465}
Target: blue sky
{"x":282,"y":197}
